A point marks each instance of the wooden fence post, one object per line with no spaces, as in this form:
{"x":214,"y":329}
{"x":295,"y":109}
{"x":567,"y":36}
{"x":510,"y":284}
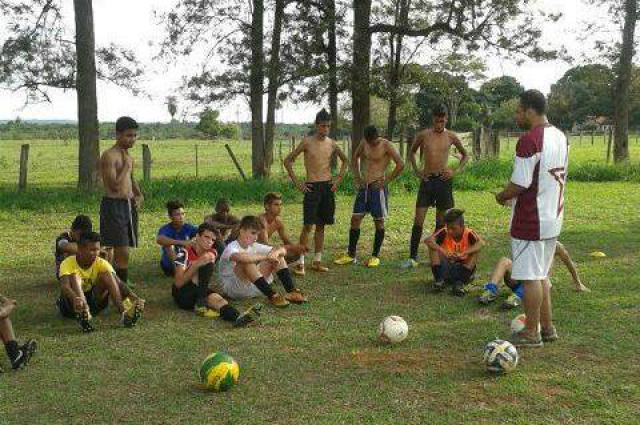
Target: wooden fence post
{"x":146,"y":163}
{"x":401,"y":148}
{"x":235,"y":161}
{"x":593,"y":135}
{"x":24,"y":163}
{"x":609,"y":143}
{"x":476,"y":143}
{"x":495,"y":144}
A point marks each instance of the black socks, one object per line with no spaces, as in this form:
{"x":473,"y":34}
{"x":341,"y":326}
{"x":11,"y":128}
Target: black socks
{"x":229,"y":313}
{"x":354,"y":235}
{"x":377,"y":242}
{"x":287,"y":281}
{"x":438,"y":272}
{"x":204,"y":277}
{"x":264,"y":287}
{"x":416,"y":236}
{"x":12,"y":349}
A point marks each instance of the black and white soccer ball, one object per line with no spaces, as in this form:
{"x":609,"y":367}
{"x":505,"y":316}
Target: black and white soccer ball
{"x":500,"y":356}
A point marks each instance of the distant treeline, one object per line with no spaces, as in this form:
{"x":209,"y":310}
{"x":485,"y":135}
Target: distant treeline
{"x":25,"y":130}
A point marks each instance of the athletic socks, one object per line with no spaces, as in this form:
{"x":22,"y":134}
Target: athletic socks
{"x":13,"y":350}
{"x":416,"y":236}
{"x":229,"y":313}
{"x":123,"y":274}
{"x":491,"y":287}
{"x":204,"y":277}
{"x":317,"y":257}
{"x":377,"y":242}
{"x":438,"y":272}
{"x":519,"y":291}
{"x":354,"y":235}
{"x":287,"y":281}
{"x":264,"y":287}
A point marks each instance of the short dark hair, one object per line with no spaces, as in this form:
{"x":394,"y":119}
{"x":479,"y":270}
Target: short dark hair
{"x":222,"y":202}
{"x":370,"y":133}
{"x":172,"y":206}
{"x":206,"y":227}
{"x":440,"y":110}
{"x":534,"y":99}
{"x":323,"y":116}
{"x":454,"y":215}
{"x":89,"y":237}
{"x":126,"y":123}
{"x":272,"y":196}
{"x":250,"y":222}
{"x":82,"y":223}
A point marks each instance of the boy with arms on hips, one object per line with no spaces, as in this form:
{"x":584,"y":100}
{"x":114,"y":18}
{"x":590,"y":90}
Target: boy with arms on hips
{"x":453,"y":253}
{"x":247,"y":268}
{"x":375,"y":154}
{"x":194,"y":267}
{"x":436,"y":178}
{"x":319,"y":188}
{"x":87,"y":282}
{"x":174,"y":235}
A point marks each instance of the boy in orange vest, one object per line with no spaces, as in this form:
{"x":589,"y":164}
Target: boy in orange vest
{"x":453,"y":253}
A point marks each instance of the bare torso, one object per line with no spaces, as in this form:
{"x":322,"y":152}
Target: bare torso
{"x":375,"y":160}
{"x":317,"y":159}
{"x":113,"y":162}
{"x":435,"y":149}
{"x":271,"y":224}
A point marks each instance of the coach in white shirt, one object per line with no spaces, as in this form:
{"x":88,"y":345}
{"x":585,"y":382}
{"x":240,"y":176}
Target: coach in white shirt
{"x":536,"y":192}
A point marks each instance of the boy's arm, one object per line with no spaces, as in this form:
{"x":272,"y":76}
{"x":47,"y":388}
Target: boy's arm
{"x":345,"y":163}
{"x":355,"y":164}
{"x":243,"y":257}
{"x":138,"y":197}
{"x":69,"y":248}
{"x":447,"y":174}
{"x":183,"y":275}
{"x":476,"y":247}
{"x":417,"y":142}
{"x":395,"y":156}
{"x":282,"y":232}
{"x":432,"y":244}
{"x":263,"y":235}
{"x":163,"y":240}
{"x":288,"y":165}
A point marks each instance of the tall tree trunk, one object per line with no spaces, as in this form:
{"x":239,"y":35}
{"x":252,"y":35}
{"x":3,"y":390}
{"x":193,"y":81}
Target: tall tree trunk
{"x":256,"y":79}
{"x":623,"y":81}
{"x":395,"y":65}
{"x":360,"y":73}
{"x":88,"y":130}
{"x":274,"y":83}
{"x":332,"y":62}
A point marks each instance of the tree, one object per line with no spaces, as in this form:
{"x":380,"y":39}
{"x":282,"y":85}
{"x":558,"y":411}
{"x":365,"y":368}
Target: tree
{"x":172,"y":106}
{"x":37,"y":55}
{"x":501,"y":89}
{"x":623,"y":83}
{"x":213,"y":128}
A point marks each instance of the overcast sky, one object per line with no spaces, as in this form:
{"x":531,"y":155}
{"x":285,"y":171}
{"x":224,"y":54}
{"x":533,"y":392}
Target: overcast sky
{"x":131,"y":24}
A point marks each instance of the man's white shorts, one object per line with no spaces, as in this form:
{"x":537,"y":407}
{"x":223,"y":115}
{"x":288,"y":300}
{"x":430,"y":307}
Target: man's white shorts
{"x":532,"y":260}
{"x":237,"y":289}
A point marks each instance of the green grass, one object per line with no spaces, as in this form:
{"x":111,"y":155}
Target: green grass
{"x":320,"y":363}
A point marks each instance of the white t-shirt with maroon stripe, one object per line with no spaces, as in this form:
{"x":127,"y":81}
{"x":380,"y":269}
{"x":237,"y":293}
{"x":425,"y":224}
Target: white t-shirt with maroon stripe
{"x":542,"y":157}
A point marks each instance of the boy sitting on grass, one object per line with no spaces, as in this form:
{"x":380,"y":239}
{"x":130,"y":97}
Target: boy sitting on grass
{"x":67,"y":242}
{"x":194,"y":267}
{"x":19,"y":355}
{"x":87,"y":281}
{"x":223,"y":221}
{"x":247,"y":268}
{"x":272,"y":223}
{"x":502,"y":272}
{"x":453,"y":253}
{"x":173,"y":235}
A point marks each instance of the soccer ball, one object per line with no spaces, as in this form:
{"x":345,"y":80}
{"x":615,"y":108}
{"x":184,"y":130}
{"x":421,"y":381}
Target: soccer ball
{"x":219,"y":372}
{"x":500,"y":356}
{"x":393,"y":329}
{"x":518,"y":323}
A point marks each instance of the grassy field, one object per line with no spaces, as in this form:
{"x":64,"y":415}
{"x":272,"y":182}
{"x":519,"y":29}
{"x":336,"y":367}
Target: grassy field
{"x":320,"y":363}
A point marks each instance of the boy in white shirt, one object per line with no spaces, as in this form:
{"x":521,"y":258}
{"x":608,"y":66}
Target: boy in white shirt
{"x":247,"y":268}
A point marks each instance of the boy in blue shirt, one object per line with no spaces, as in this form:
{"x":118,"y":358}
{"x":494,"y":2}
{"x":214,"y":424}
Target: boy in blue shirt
{"x":174,"y":235}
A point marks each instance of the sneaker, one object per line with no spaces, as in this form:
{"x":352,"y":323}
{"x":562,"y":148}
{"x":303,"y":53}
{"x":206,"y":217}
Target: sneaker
{"x":372,"y":262}
{"x":319,"y":267}
{"x":458,"y":289}
{"x":345,"y":259}
{"x":248,"y":316}
{"x":549,"y":335}
{"x":296,"y":296}
{"x":132,"y":312}
{"x":298,"y":270}
{"x":203,"y":310}
{"x":524,"y":339}
{"x":84,"y":318}
{"x":409,"y":263}
{"x":487,"y":297}
{"x":511,"y":302}
{"x":24,"y":355}
{"x":438,"y":285}
{"x":278,"y":300}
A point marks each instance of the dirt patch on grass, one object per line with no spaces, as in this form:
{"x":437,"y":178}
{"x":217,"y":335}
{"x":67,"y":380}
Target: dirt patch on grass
{"x":406,"y":360}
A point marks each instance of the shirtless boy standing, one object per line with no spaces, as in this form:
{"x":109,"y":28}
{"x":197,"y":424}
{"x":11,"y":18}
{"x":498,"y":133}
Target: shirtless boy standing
{"x":435,"y":176}
{"x":122,"y":198}
{"x":375,"y":154}
{"x":319,"y":188}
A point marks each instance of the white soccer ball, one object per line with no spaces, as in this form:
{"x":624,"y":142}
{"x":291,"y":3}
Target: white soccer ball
{"x":393,"y":329}
{"x":500,"y":356}
{"x":518,"y":323}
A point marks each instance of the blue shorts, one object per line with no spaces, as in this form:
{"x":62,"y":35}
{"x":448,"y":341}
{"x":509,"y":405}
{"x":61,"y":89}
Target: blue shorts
{"x":372,"y":201}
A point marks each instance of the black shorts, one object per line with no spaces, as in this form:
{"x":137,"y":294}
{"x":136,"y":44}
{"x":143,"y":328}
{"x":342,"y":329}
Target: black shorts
{"x":95,"y":306}
{"x":186,"y":296}
{"x":118,"y":222}
{"x":457,"y":272}
{"x":435,"y":192}
{"x":319,"y":205}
